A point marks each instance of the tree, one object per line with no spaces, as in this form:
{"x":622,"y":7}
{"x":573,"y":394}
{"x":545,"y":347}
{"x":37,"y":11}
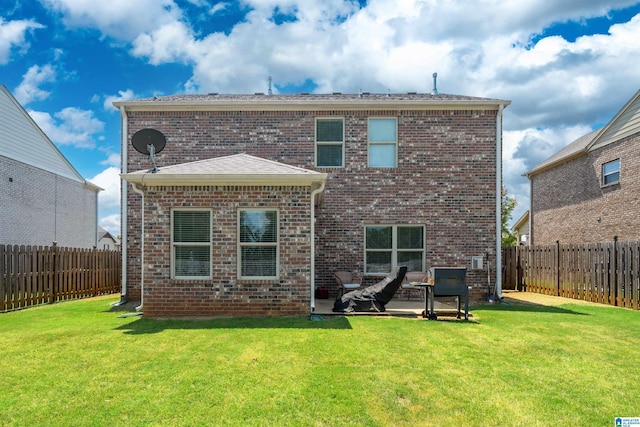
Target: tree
{"x":509,"y":238}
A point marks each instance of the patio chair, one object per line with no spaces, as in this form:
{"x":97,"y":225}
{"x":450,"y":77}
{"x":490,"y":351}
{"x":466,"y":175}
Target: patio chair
{"x":346,"y":281}
{"x":414,"y":277}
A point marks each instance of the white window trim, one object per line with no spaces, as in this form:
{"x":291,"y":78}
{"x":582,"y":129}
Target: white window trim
{"x":241,"y":244}
{"x":174,"y":244}
{"x":370,"y":143}
{"x":317,"y":143}
{"x":603,"y":184}
{"x":394,"y":246}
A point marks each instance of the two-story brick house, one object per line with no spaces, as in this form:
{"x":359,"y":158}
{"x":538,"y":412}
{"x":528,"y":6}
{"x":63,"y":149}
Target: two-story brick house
{"x":258,"y":199}
{"x":588,"y":191}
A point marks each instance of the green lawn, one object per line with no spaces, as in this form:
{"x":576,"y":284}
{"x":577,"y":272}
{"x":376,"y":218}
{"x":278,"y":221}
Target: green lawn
{"x":78,"y":363}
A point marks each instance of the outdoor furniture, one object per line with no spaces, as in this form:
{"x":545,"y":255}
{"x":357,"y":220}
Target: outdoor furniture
{"x":411,"y":280}
{"x":346,"y":281}
{"x":372,"y":298}
{"x":446,"y":281}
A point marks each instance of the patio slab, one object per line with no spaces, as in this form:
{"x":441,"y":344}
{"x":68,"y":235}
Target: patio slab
{"x":397,"y":307}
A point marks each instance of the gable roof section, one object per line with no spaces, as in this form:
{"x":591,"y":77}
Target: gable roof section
{"x":239,"y":169}
{"x":311,"y":102}
{"x":21,"y":139}
{"x":625,"y":123}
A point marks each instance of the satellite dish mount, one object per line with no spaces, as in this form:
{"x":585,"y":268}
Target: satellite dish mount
{"x":149,"y":142}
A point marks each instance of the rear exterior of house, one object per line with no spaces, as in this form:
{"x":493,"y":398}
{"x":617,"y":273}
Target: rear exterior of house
{"x":364,"y":183}
{"x":588,"y":191}
{"x":43,"y":198}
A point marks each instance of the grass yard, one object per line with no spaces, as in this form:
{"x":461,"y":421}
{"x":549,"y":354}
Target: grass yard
{"x":77,"y":363}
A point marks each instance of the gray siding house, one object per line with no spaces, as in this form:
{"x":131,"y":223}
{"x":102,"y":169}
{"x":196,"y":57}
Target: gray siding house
{"x":43,"y":198}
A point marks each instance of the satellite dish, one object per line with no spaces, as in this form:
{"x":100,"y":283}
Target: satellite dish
{"x":149,"y":142}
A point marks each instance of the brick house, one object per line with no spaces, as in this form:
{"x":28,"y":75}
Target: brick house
{"x":258,"y":199}
{"x":43,"y":198}
{"x":588,"y":191}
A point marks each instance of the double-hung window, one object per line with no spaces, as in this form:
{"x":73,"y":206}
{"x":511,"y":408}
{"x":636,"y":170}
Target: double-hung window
{"x":258,"y":243}
{"x":389,"y":246}
{"x":191,"y":244}
{"x":383,"y":142}
{"x":329,"y":142}
{"x":611,"y":172}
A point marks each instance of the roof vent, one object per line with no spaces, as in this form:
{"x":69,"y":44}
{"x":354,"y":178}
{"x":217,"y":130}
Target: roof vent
{"x":435,"y":87}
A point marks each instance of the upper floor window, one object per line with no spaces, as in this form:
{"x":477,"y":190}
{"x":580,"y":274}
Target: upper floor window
{"x":329,"y":142}
{"x":389,"y":246}
{"x":383,"y":142}
{"x":191,"y":244}
{"x":611,"y":172}
{"x":258,"y":244}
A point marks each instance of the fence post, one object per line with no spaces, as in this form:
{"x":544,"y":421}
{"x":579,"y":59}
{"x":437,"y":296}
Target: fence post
{"x":53,"y":286}
{"x":615,"y":270}
{"x":558,"y":268}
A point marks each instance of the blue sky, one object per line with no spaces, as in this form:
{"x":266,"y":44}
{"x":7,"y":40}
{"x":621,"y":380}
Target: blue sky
{"x":566,"y":67}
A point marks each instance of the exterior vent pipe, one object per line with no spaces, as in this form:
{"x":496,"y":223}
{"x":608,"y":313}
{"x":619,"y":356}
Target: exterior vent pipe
{"x":435,"y":87}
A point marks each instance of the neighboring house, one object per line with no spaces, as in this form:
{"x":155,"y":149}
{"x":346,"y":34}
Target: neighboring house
{"x":106,"y":240}
{"x":43,"y":198}
{"x":521,"y":229}
{"x":588,"y":191}
{"x":260,"y":198}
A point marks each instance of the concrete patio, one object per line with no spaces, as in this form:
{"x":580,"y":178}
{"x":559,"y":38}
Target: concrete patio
{"x":399,"y":306}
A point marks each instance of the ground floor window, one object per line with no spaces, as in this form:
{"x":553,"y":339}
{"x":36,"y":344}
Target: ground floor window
{"x":191,"y":244}
{"x":258,"y":243}
{"x":388,"y":246}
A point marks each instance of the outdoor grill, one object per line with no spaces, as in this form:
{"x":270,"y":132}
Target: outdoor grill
{"x":446,"y":282}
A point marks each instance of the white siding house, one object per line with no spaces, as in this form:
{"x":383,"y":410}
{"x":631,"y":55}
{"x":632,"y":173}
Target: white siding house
{"x":43,"y":198}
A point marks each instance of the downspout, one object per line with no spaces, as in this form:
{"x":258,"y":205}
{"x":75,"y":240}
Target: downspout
{"x":498,"y":288}
{"x":141,"y":193}
{"x":124,"y":208}
{"x":313,"y":244}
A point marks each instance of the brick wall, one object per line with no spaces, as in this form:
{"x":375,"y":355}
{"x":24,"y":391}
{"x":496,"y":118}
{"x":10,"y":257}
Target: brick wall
{"x":225,"y":294}
{"x":39,"y":207}
{"x":570,"y":204}
{"x":445,"y":180}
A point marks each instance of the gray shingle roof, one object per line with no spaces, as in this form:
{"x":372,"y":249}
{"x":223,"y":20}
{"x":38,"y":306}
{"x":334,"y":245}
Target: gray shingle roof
{"x":302,"y":101}
{"x":573,"y":149}
{"x":238,"y":169}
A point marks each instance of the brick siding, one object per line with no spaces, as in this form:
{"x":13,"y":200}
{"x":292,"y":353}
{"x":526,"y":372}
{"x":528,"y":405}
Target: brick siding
{"x":40,"y":207}
{"x":569,"y":203}
{"x":445,"y":180}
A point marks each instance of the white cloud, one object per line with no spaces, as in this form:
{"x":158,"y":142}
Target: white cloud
{"x":111,"y":223}
{"x":109,"y":180}
{"x":29,"y":89}
{"x":119,"y":19}
{"x":123,"y":95}
{"x":113,"y":159}
{"x":70,"y":126}
{"x":13,"y":35}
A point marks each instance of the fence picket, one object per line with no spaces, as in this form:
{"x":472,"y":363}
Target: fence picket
{"x":32,"y":275}
{"x":604,"y":272}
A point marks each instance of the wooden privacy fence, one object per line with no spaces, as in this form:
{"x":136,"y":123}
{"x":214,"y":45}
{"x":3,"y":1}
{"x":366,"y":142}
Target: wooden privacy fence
{"x":32,"y":275}
{"x":606,"y":273}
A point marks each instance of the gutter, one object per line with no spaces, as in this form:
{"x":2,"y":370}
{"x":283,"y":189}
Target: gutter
{"x":498,"y":287}
{"x":314,"y":193}
{"x":139,"y":191}
{"x":124,"y":209}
